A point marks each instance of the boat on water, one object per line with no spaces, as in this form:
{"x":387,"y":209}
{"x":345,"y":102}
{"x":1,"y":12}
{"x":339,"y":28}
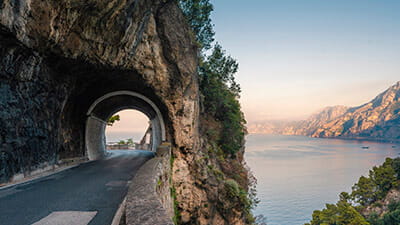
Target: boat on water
{"x":365,"y":147}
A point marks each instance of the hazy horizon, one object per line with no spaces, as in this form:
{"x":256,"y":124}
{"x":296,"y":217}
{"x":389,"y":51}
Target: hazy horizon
{"x":306,"y":116}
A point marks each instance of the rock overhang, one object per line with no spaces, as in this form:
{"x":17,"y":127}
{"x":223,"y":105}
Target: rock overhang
{"x":85,"y":50}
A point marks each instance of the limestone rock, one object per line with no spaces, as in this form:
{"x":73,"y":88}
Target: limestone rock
{"x":375,"y":120}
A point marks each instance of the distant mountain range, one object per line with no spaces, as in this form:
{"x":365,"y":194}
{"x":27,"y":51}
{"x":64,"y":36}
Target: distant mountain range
{"x":378,"y":119}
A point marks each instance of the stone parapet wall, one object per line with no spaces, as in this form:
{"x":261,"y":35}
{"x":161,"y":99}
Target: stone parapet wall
{"x":149,"y":201}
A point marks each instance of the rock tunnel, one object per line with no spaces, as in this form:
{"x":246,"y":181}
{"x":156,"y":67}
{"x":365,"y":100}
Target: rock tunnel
{"x":66,"y":66}
{"x":107,"y":105}
{"x":98,"y":94}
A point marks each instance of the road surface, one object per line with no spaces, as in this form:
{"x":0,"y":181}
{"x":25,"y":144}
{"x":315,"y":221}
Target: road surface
{"x":87,"y":194}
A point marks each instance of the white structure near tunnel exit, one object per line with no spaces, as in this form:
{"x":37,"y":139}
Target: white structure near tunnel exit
{"x":109,"y":104}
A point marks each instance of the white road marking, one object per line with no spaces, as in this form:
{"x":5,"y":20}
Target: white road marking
{"x":67,"y":218}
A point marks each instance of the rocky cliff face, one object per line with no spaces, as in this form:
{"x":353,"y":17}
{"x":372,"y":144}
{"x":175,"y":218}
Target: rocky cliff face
{"x":58,"y":57}
{"x":378,"y":119}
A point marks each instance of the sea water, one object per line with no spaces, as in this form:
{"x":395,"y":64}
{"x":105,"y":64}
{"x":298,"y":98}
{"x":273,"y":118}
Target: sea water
{"x":297,"y":175}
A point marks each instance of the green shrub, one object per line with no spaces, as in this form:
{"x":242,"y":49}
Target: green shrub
{"x":393,"y":205}
{"x":198,"y":14}
{"x":392,"y":218}
{"x":220,"y":98}
{"x":341,"y":213}
{"x":374,"y":219}
{"x":374,"y":187}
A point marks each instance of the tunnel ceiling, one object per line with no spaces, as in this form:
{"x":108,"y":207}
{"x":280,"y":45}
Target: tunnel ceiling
{"x":106,"y":108}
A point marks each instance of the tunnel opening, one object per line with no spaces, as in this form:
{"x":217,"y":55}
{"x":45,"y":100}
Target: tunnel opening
{"x":127,"y":130}
{"x":98,"y":92}
{"x":109,"y":104}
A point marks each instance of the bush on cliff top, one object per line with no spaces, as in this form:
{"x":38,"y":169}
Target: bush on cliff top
{"x":220,"y":92}
{"x":198,"y":14}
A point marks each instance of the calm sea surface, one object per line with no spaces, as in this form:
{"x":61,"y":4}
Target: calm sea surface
{"x":297,"y":174}
{"x":117,"y":136}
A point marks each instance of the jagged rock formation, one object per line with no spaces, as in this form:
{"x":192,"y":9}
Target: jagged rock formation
{"x":58,"y":57}
{"x":378,"y":119}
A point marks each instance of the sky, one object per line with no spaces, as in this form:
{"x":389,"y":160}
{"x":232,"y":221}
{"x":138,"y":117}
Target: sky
{"x":298,"y":56}
{"x":133,"y":124}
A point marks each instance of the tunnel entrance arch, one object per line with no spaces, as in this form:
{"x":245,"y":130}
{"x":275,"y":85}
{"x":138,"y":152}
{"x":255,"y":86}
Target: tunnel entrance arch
{"x":107,"y":105}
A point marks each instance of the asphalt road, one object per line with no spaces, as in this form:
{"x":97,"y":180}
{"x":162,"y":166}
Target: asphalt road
{"x":89,"y":193}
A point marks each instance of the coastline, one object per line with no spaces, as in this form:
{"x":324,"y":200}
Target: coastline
{"x":377,"y":140}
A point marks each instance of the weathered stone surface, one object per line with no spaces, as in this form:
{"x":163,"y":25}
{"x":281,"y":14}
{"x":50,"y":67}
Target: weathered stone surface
{"x":58,"y":57}
{"x":149,"y":201}
{"x":30,"y":94}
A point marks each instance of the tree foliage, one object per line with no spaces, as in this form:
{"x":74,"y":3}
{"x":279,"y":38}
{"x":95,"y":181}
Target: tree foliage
{"x":374,"y":187}
{"x":396,"y":167}
{"x":198,"y":14}
{"x":364,"y":191}
{"x":221,"y":67}
{"x":113,"y":119}
{"x":221,"y":92}
{"x":128,"y":141}
{"x":384,"y":177}
{"x":342,"y":213}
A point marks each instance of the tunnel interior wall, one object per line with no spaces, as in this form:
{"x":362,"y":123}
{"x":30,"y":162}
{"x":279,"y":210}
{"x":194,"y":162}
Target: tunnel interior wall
{"x":95,"y":138}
